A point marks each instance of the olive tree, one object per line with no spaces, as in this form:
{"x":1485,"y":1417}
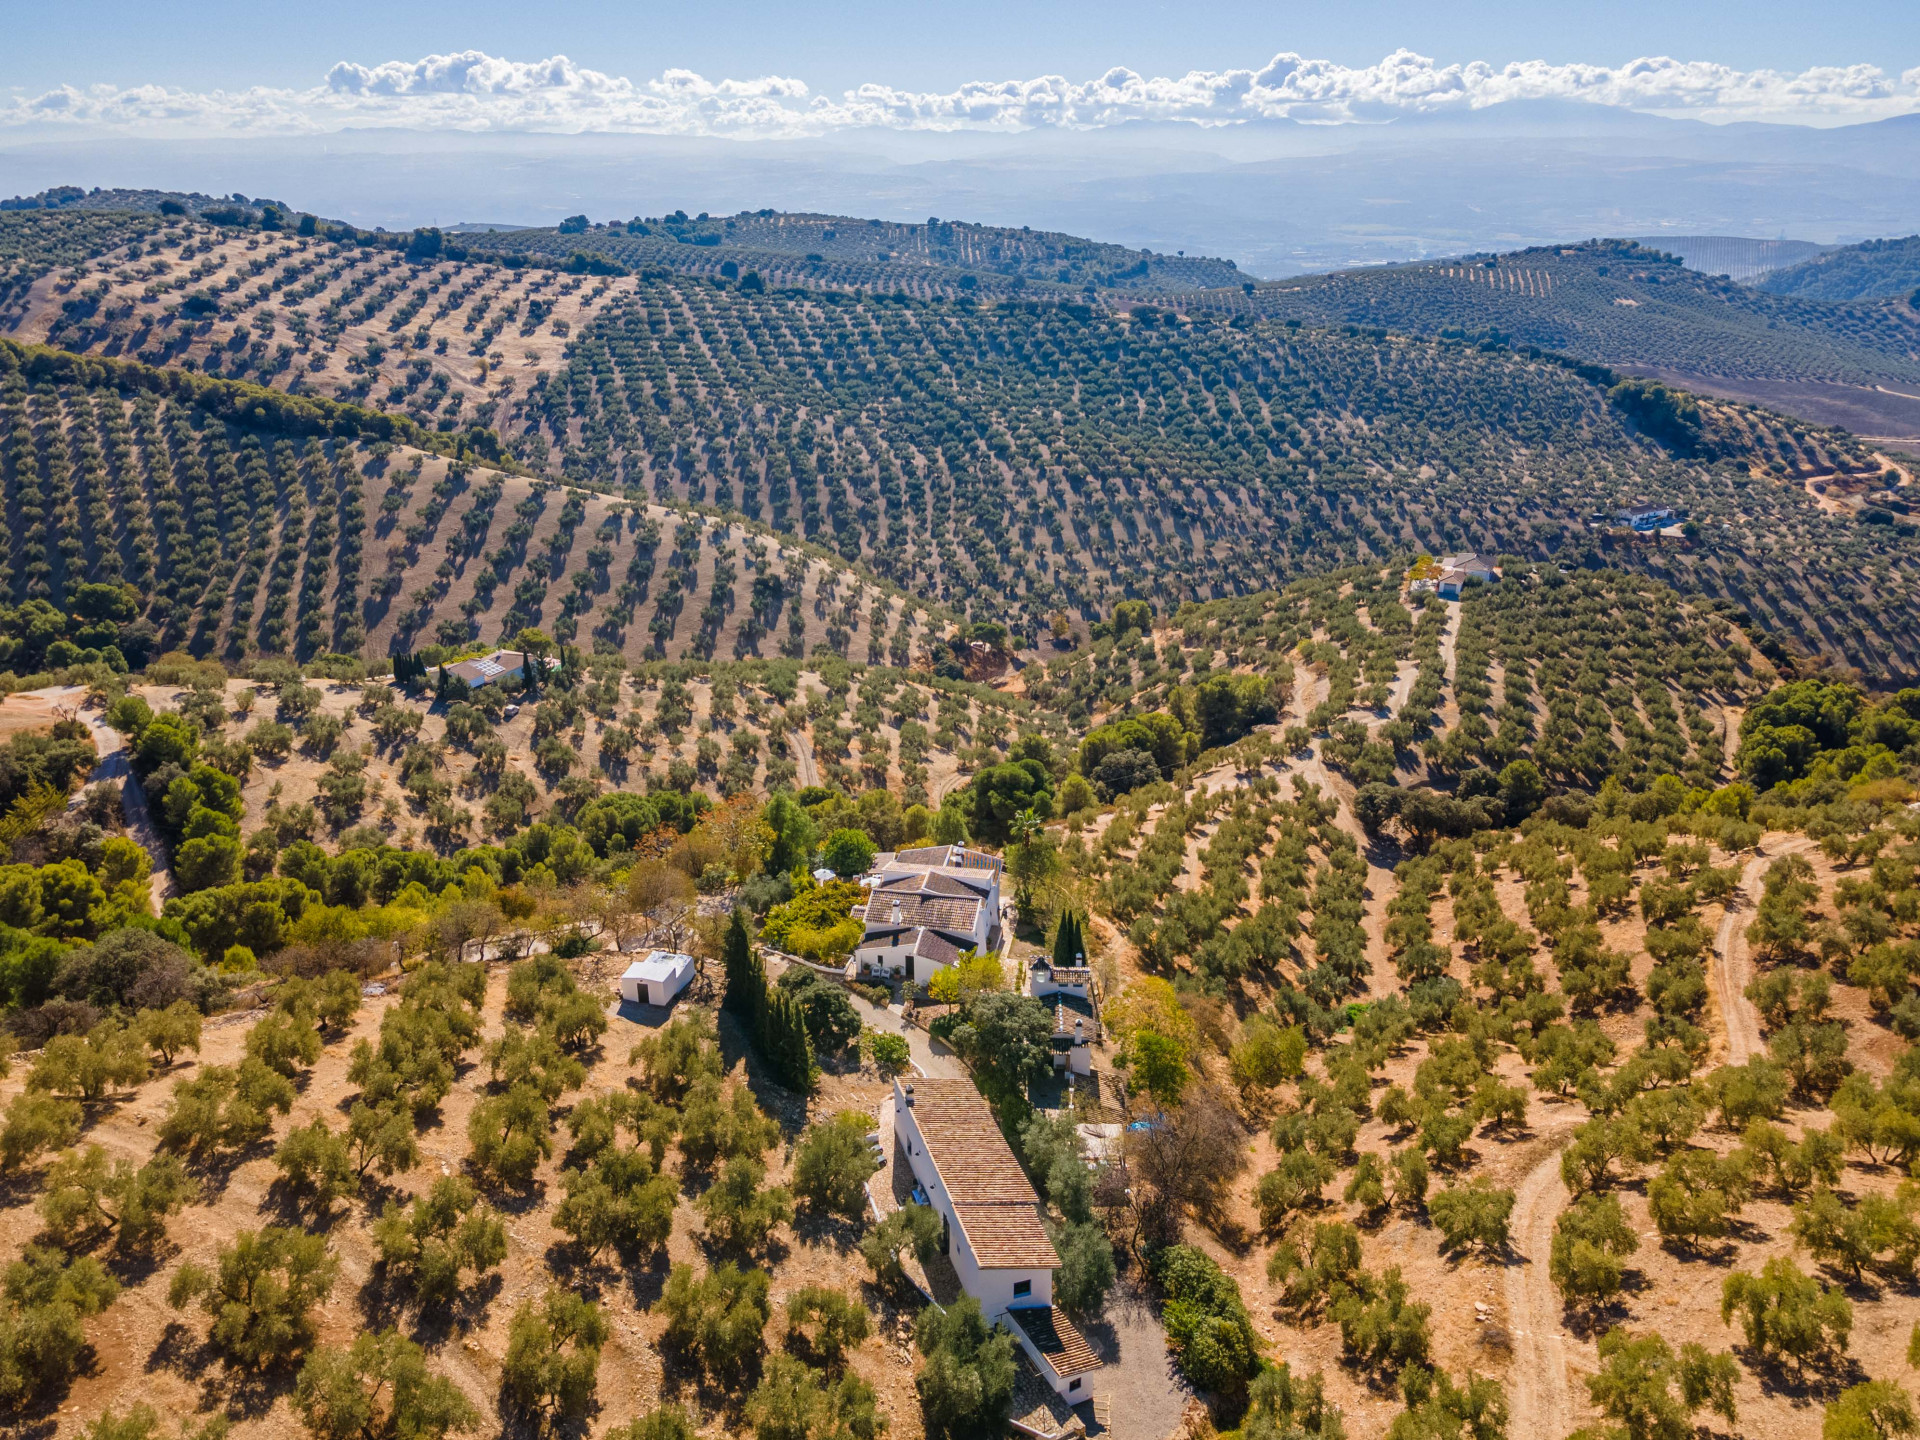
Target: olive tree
{"x":379,"y":1388}
{"x":87,"y":1198}
{"x":430,"y":1241}
{"x":553,"y":1355}
{"x":833,"y":1163}
{"x":260,"y":1293}
{"x":715,"y":1319}
{"x":316,"y":1165}
{"x":46,"y":1297}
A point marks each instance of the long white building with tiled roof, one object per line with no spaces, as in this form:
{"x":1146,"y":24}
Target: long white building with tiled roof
{"x":994,"y":1228}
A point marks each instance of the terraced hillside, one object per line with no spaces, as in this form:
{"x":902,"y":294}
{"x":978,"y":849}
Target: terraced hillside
{"x":1735,"y":256}
{"x":1849,"y":364}
{"x":245,"y":539}
{"x":34,"y":243}
{"x":1625,"y":1018}
{"x":1598,"y":673}
{"x":1613,"y":302}
{"x":941,"y":257}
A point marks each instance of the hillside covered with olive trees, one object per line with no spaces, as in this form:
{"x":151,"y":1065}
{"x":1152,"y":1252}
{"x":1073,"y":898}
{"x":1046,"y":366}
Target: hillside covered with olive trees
{"x":1033,"y":463}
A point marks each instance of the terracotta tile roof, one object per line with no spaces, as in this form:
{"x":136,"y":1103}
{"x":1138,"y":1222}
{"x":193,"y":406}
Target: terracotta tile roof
{"x":1064,"y":1017}
{"x":931,"y":882}
{"x":927,"y":944}
{"x":1066,"y":974}
{"x":940,"y":912}
{"x":992,"y":1197}
{"x":937,"y":948}
{"x":1055,"y":1337}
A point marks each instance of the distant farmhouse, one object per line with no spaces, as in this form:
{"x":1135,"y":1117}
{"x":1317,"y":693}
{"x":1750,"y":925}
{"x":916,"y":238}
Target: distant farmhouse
{"x":1448,"y":576}
{"x":1647,"y":517}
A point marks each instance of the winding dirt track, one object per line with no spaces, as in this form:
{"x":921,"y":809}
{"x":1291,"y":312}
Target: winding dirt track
{"x":805,"y":770}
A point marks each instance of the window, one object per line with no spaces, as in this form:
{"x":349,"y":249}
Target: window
{"x":1073,"y":1384}
{"x":1023,"y":1287}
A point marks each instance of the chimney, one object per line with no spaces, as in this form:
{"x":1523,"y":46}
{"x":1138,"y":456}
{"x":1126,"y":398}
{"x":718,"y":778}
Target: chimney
{"x":896,"y":912}
{"x":1079,"y":1031}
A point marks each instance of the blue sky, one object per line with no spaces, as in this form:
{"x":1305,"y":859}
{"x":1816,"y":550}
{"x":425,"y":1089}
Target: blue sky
{"x":211,"y":44}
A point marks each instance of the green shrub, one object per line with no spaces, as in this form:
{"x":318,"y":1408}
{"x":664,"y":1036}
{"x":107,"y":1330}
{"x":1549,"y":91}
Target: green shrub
{"x":966,"y":1381}
{"x":1207,"y":1324}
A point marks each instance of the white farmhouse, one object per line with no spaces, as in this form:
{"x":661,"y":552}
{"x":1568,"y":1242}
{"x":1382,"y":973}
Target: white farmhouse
{"x":502,"y":667}
{"x":925,"y":908}
{"x":992,"y":1228}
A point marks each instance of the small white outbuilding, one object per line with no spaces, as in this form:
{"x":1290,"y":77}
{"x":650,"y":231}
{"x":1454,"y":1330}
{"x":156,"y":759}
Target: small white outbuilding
{"x":656,"y":977}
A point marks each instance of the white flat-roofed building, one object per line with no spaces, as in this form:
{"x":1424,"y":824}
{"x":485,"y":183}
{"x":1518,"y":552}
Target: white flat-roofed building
{"x":500,"y":668}
{"x":656,"y":977}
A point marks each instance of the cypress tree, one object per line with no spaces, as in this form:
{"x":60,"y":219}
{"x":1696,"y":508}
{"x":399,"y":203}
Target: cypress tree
{"x":786,"y":1046}
{"x":1069,"y":944}
{"x":746,"y":973}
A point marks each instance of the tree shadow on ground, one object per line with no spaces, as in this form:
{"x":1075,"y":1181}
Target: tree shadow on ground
{"x":215,"y":1172}
{"x":241,"y":1393}
{"x":517,"y":1423}
{"x":1802,"y":1385}
{"x":298,"y":1208}
{"x":823,"y":1227}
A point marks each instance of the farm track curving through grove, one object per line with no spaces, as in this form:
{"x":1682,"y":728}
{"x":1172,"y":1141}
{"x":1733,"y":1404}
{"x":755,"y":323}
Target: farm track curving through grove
{"x":1733,"y":965}
{"x":1540,"y":1392}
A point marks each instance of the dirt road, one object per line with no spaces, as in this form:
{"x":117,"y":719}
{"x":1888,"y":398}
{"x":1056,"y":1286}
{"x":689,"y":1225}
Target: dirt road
{"x":1733,"y":965}
{"x":113,"y":766}
{"x":1539,"y":1391}
{"x":808,"y":772}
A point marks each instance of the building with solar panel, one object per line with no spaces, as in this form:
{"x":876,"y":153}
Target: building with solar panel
{"x":500,"y":668}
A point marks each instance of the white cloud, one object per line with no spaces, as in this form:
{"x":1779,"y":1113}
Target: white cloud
{"x":475,"y":91}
